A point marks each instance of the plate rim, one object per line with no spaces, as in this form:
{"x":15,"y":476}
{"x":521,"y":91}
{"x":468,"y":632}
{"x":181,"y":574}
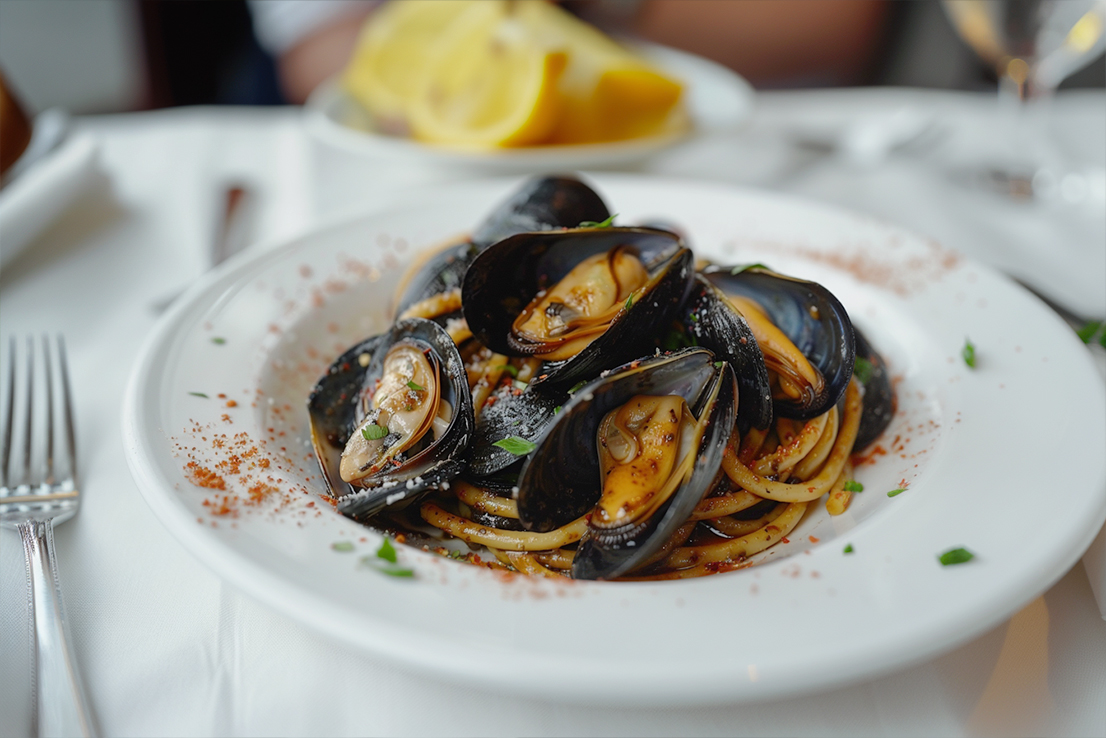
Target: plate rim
{"x":249,"y":577}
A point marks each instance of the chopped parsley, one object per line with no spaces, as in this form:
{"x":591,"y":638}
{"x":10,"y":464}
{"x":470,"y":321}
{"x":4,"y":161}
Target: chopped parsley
{"x":516,"y":445}
{"x":968,"y":353}
{"x":630,"y":301}
{"x":556,"y":409}
{"x":718,"y":364}
{"x":576,"y":387}
{"x":862,"y":370}
{"x":853,"y":486}
{"x":1090,"y":330}
{"x":218,"y":341}
{"x":342,"y":546}
{"x":387,"y":551}
{"x":386,"y":554}
{"x":509,"y":369}
{"x":896,"y":492}
{"x":601,"y":224}
{"x":694,"y":317}
{"x":417,"y":387}
{"x":849,"y":548}
{"x":744,"y":267}
{"x":198,"y":394}
{"x":955,"y":556}
{"x":374,"y":432}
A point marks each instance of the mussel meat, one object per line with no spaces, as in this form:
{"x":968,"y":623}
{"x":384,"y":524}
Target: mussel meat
{"x":399,"y":407}
{"x":646,"y":442}
{"x":813,"y":378}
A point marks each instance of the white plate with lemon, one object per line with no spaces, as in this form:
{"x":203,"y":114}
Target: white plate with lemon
{"x":514,"y":87}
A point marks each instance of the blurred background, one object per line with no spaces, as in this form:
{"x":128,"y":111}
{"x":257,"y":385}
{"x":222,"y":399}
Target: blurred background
{"x":105,"y":56}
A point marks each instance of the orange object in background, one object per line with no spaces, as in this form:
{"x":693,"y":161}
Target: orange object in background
{"x":15,"y":129}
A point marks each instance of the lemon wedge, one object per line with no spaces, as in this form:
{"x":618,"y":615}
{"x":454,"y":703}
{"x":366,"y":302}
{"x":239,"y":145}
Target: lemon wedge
{"x":390,"y":53}
{"x":489,"y":81}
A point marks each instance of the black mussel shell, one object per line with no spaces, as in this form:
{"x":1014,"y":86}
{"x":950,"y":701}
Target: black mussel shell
{"x":442,"y":272}
{"x":562,"y":480}
{"x":503,"y":280}
{"x":716,"y":324}
{"x":542,"y":204}
{"x":809,"y":315}
{"x":553,"y":492}
{"x":335,"y":409}
{"x":526,"y":415}
{"x":879,"y":395}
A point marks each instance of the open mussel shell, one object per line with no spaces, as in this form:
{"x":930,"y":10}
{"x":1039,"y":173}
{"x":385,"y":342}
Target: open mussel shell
{"x":811,"y":317}
{"x":562,"y":480}
{"x":338,"y":405}
{"x":541,"y":204}
{"x":506,"y":277}
{"x":717,"y":325}
{"x":879,"y":395}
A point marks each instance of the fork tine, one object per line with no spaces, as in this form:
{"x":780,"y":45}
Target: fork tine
{"x":67,"y":407}
{"x":10,"y":414}
{"x":49,"y":409}
{"x":30,"y":409}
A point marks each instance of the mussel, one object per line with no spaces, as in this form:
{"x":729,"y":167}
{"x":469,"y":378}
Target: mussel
{"x":398,"y":407}
{"x":583,"y":300}
{"x":714,"y":323}
{"x":645,"y":443}
{"x":431,"y":288}
{"x":811,"y":318}
{"x":879,"y":395}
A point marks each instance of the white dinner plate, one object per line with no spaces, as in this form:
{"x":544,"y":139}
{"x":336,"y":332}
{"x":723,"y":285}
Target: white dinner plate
{"x":718,"y":101}
{"x":1004,"y":459}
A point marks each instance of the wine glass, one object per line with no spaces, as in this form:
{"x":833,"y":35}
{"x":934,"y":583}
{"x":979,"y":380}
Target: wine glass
{"x":1033,"y":46}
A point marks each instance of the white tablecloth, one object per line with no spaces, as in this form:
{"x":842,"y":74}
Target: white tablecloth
{"x":167,"y":649}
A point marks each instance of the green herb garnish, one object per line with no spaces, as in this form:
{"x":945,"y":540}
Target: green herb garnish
{"x":630,"y":301}
{"x":743,"y":267}
{"x":853,"y":486}
{"x":1090,"y":330}
{"x":601,"y":224}
{"x":718,"y":364}
{"x":556,"y":409}
{"x":862,"y":370}
{"x":895,"y":492}
{"x":374,"y":432}
{"x":576,"y":387}
{"x":343,"y":546}
{"x":390,"y":569}
{"x":849,"y":548}
{"x":412,"y":385}
{"x":387,"y":551}
{"x":218,"y":341}
{"x":385,"y":561}
{"x":694,"y":317}
{"x":968,"y":352}
{"x":516,"y":445}
{"x":509,"y":369}
{"x":955,"y":556}
{"x":198,"y":394}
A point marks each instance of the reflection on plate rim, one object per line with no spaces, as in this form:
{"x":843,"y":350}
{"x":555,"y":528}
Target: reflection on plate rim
{"x":289,"y":597}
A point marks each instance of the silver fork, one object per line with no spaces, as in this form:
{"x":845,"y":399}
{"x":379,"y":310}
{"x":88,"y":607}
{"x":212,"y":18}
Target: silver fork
{"x":37,"y":491}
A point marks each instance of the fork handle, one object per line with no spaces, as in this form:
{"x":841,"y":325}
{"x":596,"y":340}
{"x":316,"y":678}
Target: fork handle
{"x":62,"y":709}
